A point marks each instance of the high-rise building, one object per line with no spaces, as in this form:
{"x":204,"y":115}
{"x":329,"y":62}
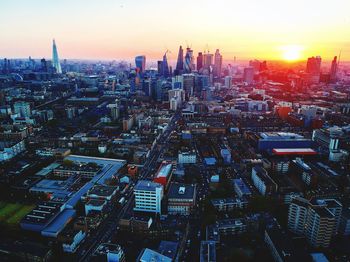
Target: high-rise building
{"x":228,"y":81}
{"x":148,"y":196}
{"x":160,"y":67}
{"x":6,"y":69}
{"x":199,"y":61}
{"x":140,"y":62}
{"x":188,"y":66}
{"x":114,"y":110}
{"x":319,"y":226}
{"x":207,"y":60}
{"x":22,"y":108}
{"x":55,"y":60}
{"x":180,"y":61}
{"x":318,"y":220}
{"x":248,"y":75}
{"x":297,"y":215}
{"x":188,"y":85}
{"x":334,"y":69}
{"x":217,"y":63}
{"x":43,"y":65}
{"x":313,"y":69}
{"x":165,"y":67}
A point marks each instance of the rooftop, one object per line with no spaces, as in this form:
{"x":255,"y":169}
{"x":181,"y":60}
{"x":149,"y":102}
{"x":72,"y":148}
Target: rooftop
{"x":102,"y":191}
{"x":181,"y":191}
{"x":148,"y":255}
{"x":145,"y":185}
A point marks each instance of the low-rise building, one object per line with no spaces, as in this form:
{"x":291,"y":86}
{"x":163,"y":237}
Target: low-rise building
{"x":229,"y":204}
{"x":187,"y":157}
{"x":241,"y":189}
{"x":181,"y":198}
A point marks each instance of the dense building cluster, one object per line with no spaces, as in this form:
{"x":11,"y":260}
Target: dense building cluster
{"x":209,"y":161}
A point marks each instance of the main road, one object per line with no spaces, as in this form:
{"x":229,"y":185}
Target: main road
{"x":110,"y":224}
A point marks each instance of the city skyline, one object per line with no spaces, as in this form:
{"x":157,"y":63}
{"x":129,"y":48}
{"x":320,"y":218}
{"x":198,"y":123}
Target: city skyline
{"x":122,"y":30}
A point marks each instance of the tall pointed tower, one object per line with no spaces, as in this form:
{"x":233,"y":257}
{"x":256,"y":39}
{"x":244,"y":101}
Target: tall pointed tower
{"x":180,"y":60}
{"x":55,"y":60}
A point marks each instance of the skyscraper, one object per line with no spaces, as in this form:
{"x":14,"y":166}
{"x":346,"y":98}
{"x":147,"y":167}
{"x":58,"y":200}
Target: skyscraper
{"x":199,"y":61}
{"x":140,"y":62}
{"x":217,"y":63}
{"x":334,"y":69}
{"x":180,"y":61}
{"x":55,"y":60}
{"x":313,"y":69}
{"x":248,"y":75}
{"x":208,"y":60}
{"x":165,"y":67}
{"x":188,"y":60}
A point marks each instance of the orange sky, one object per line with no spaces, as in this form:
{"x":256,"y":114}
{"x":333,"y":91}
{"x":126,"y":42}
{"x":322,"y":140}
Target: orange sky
{"x":121,"y":29}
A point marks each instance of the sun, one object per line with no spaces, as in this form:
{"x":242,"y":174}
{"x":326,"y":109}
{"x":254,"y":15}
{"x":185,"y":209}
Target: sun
{"x":291,"y":52}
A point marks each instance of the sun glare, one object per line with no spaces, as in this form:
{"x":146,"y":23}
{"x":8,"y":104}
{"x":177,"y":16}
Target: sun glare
{"x":291,"y":52}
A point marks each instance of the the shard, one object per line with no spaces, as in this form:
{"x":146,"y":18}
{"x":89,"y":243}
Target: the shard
{"x":55,"y":60}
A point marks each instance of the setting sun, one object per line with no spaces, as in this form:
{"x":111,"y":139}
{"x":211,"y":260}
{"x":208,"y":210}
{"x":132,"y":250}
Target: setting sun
{"x":291,"y":52}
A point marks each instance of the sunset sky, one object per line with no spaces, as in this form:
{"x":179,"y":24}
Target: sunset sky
{"x":121,"y":29}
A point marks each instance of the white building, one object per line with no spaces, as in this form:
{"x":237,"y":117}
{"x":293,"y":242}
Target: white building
{"x":73,"y":240}
{"x":262,"y":181}
{"x":9,"y":149}
{"x":318,"y":220}
{"x":22,"y":108}
{"x":297,"y":215}
{"x":148,"y":196}
{"x":188,"y":157}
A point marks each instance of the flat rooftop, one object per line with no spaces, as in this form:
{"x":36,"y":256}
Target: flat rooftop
{"x":145,"y":185}
{"x":110,"y":166}
{"x":164,"y":169}
{"x":181,"y":191}
{"x":148,"y":255}
{"x":42,"y":213}
{"x":293,"y":151}
{"x":280,"y":136}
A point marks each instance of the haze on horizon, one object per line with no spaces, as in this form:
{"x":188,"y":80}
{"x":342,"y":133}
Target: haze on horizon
{"x":122,"y":29}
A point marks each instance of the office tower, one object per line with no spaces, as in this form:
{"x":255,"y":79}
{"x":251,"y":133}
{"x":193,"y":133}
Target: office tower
{"x":320,"y":225}
{"x":313,"y":69}
{"x":6,"y":69}
{"x":140,"y":62}
{"x":228,"y":81}
{"x":22,"y":108}
{"x":114,"y":109}
{"x":188,"y":60}
{"x":148,"y":196}
{"x":165,"y":67}
{"x":217,"y":63}
{"x":55,"y":60}
{"x":188,"y":85}
{"x":199,"y":61}
{"x":334,"y":69}
{"x":43,"y":65}
{"x":207,"y":60}
{"x":248,"y":75}
{"x":180,"y":61}
{"x":177,"y":82}
{"x":201,"y":82}
{"x":297,"y":215}
{"x":160,"y":67}
{"x":257,"y":65}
